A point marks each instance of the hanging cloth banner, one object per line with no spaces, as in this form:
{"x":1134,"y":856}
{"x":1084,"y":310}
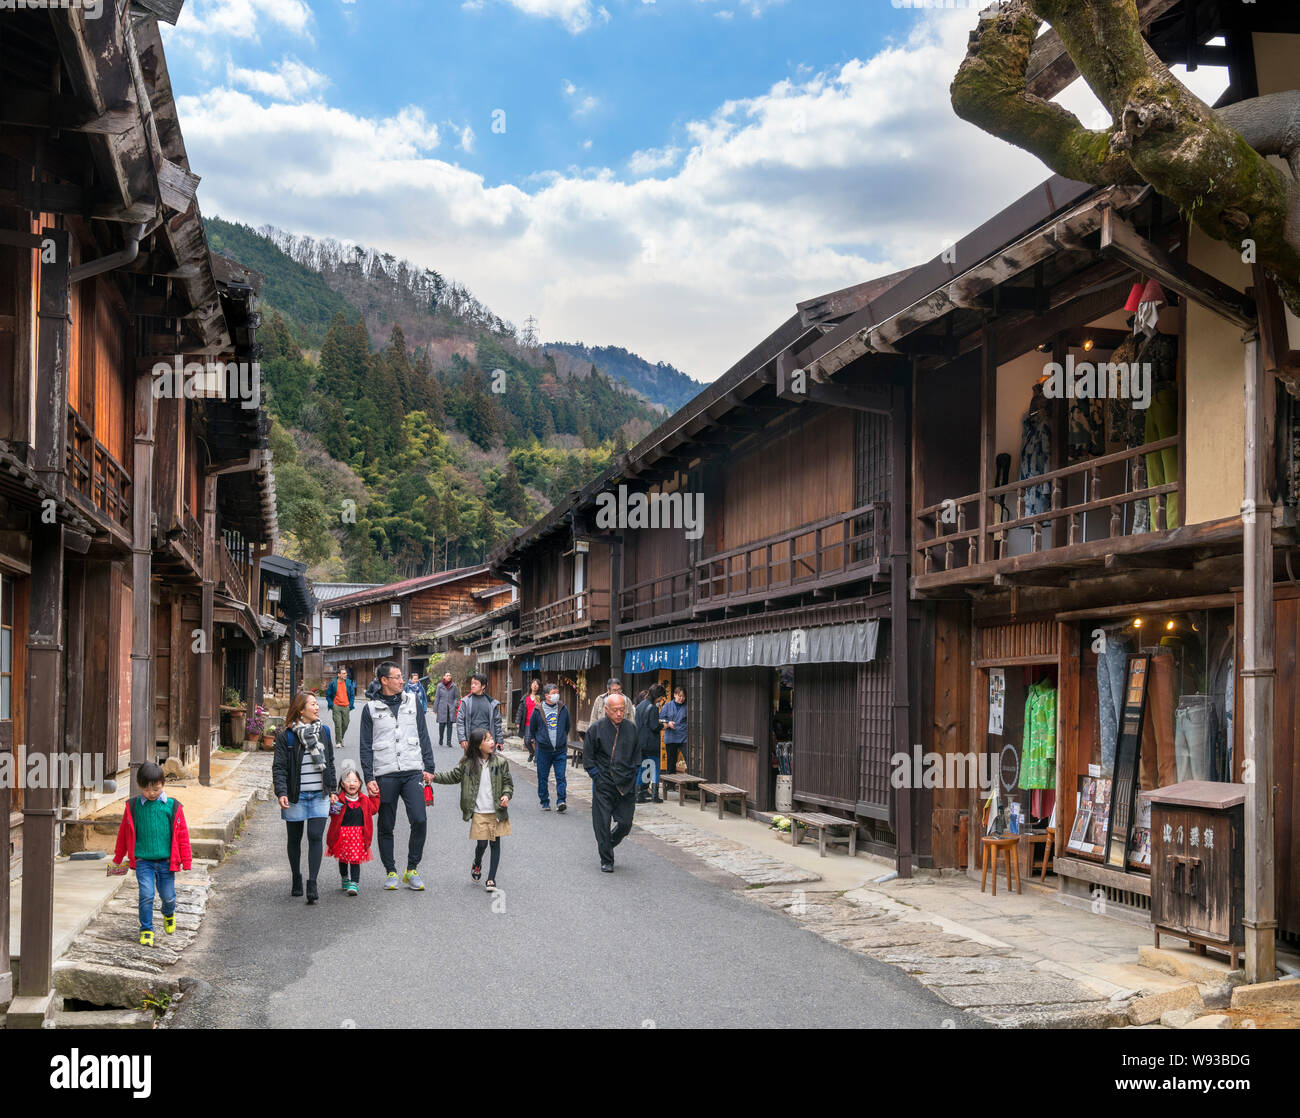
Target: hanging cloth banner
{"x":667,"y":657}
{"x":826,"y":644}
{"x":530,"y":664}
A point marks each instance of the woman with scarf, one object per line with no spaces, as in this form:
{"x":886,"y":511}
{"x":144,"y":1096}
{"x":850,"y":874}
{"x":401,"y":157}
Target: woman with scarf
{"x":303,"y":774}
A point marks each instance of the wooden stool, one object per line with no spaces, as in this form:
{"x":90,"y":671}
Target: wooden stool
{"x":1007,"y":845}
{"x":1047,"y":841}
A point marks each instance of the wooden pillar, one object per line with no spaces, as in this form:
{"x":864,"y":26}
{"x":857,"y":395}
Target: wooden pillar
{"x":1257,"y":677}
{"x":899,"y":651}
{"x":615,"y":595}
{"x":75,"y":667}
{"x":988,"y":436}
{"x":34,"y":1001}
{"x":142,"y":714}
{"x":206,"y":698}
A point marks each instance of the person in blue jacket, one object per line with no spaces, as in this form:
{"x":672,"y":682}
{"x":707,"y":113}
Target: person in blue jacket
{"x":549,"y":729}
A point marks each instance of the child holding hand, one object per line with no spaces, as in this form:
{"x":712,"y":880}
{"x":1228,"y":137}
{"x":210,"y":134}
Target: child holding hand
{"x":486,"y":788}
{"x":352,"y":827}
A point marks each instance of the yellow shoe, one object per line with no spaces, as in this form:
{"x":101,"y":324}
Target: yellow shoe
{"x":146,"y":939}
{"x":169,"y":924}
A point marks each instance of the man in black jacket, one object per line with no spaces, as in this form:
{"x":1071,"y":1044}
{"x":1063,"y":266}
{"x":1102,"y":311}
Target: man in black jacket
{"x":612,"y":760}
{"x":648,"y":729}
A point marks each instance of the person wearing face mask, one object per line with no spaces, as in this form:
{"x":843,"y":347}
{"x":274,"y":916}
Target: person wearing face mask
{"x":549,"y":729}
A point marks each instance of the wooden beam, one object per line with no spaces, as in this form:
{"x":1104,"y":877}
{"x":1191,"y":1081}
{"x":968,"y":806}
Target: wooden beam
{"x":1121,"y":240}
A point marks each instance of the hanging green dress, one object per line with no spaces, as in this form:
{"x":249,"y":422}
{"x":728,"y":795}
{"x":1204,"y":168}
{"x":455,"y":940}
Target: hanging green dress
{"x":1038,"y":751}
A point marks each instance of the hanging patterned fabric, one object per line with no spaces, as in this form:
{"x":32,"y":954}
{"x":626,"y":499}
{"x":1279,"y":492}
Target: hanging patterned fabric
{"x":1036,"y":453}
{"x":1038,"y":751}
{"x":1128,"y":430}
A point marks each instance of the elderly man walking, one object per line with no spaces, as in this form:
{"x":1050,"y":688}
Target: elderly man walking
{"x":397,"y":761}
{"x":612,"y":760}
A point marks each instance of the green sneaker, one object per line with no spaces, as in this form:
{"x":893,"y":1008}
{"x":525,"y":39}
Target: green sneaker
{"x":390,"y":882}
{"x":412,"y":880}
{"x":351,"y":888}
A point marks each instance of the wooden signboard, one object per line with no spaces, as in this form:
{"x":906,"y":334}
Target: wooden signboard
{"x":1127,"y":758}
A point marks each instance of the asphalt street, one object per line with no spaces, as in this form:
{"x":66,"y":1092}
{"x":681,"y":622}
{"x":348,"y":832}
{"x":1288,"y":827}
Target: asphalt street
{"x":659,"y":942}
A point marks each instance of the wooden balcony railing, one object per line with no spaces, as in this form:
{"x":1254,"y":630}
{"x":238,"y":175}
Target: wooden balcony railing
{"x":390,"y":635}
{"x":663,"y":596}
{"x":192,"y":539}
{"x":948,"y":534}
{"x":231,"y":575}
{"x":837,"y":549}
{"x":576,"y":612}
{"x":95,"y":474}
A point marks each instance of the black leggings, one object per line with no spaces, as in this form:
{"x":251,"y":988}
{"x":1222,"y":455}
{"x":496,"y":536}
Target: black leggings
{"x":315,"y":847}
{"x":482,"y":845}
{"x":350,"y":870}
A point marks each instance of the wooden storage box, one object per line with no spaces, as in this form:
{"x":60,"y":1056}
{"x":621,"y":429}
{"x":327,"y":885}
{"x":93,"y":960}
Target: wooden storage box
{"x":1198,"y":864}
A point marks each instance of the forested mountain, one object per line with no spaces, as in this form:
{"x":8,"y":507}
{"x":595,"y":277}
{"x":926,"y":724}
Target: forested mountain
{"x":661,"y":383}
{"x":399,"y":460}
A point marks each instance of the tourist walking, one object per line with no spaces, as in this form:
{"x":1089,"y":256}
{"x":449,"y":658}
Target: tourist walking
{"x":524,"y":715}
{"x":397,"y":761}
{"x":479,"y":711}
{"x":612,"y":760}
{"x":446,"y":698}
{"x":486,"y":788}
{"x":302,"y":772}
{"x":155,"y":841}
{"x":416,"y":688}
{"x":550,"y":734}
{"x":352,"y":826}
{"x":342,"y":693}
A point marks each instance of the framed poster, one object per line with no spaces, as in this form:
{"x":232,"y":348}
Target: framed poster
{"x":1091,"y":817}
{"x":997,"y":699}
{"x":1127,"y":758}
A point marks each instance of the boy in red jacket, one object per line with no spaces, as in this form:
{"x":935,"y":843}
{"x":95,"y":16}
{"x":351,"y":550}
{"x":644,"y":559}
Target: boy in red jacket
{"x":156,"y":843}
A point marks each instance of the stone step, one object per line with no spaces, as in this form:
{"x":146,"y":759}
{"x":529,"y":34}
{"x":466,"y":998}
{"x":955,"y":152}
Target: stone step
{"x":105,"y":1019}
{"x":111,"y":986}
{"x":213,"y":848}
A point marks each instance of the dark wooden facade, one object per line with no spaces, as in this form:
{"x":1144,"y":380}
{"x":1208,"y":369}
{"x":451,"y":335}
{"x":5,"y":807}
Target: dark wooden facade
{"x":106,"y":535}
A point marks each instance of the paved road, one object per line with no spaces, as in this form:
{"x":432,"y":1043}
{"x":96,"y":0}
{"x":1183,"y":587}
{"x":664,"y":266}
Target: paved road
{"x":660,"y":941}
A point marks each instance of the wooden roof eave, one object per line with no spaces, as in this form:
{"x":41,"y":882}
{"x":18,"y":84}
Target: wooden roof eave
{"x":880,"y":326}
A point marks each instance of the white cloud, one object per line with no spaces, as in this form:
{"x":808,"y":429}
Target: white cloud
{"x":653,"y":159}
{"x":467,"y":139}
{"x":582,"y":103}
{"x":804,"y":188}
{"x":576,"y":15}
{"x":241,"y":19}
{"x":289,"y":81}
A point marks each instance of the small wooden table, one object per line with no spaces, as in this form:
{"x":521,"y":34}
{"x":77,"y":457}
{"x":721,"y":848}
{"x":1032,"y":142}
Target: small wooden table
{"x":575,"y":755}
{"x":823,"y":824}
{"x":684,"y":782}
{"x":1007,"y":846}
{"x":1047,"y":840}
{"x":723,"y":792}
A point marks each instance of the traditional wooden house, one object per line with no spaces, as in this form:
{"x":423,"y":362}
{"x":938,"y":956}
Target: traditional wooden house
{"x":1104,"y":482}
{"x":406,"y":621}
{"x":287,"y":604}
{"x":325,"y":628}
{"x":104,"y":274}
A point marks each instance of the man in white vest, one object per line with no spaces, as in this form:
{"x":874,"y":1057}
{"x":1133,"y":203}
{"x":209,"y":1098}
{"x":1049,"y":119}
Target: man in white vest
{"x":397,"y":761}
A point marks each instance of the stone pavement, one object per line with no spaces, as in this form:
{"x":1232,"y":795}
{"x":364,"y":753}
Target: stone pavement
{"x":98,"y":959}
{"x":1017,"y":960}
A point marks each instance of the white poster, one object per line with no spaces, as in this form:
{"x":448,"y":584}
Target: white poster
{"x":997,"y":699}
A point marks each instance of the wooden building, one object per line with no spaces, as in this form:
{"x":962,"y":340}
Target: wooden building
{"x":406,"y":622}
{"x":113,"y":481}
{"x":1067,"y":546}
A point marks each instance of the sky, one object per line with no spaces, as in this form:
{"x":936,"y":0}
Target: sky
{"x":670,"y":176}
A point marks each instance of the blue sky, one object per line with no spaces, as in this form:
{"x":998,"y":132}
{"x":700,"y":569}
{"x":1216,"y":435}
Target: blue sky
{"x":671,"y":176}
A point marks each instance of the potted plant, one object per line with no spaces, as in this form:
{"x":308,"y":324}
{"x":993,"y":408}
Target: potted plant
{"x":269,"y":731}
{"x":257,"y":723}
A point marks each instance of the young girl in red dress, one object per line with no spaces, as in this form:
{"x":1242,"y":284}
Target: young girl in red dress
{"x":352,"y":827}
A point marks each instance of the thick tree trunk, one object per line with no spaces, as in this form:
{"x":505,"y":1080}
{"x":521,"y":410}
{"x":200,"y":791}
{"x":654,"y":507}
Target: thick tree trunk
{"x":1211,"y":164}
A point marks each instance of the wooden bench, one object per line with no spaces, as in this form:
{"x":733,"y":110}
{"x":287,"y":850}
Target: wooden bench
{"x":825,"y":826}
{"x":723,"y":792}
{"x":684,"y":783}
{"x":575,"y":753}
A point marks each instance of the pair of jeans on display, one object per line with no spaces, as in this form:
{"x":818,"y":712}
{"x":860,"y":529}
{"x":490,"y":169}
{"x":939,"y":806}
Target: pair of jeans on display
{"x":1159,"y":764}
{"x":1194,"y":725}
